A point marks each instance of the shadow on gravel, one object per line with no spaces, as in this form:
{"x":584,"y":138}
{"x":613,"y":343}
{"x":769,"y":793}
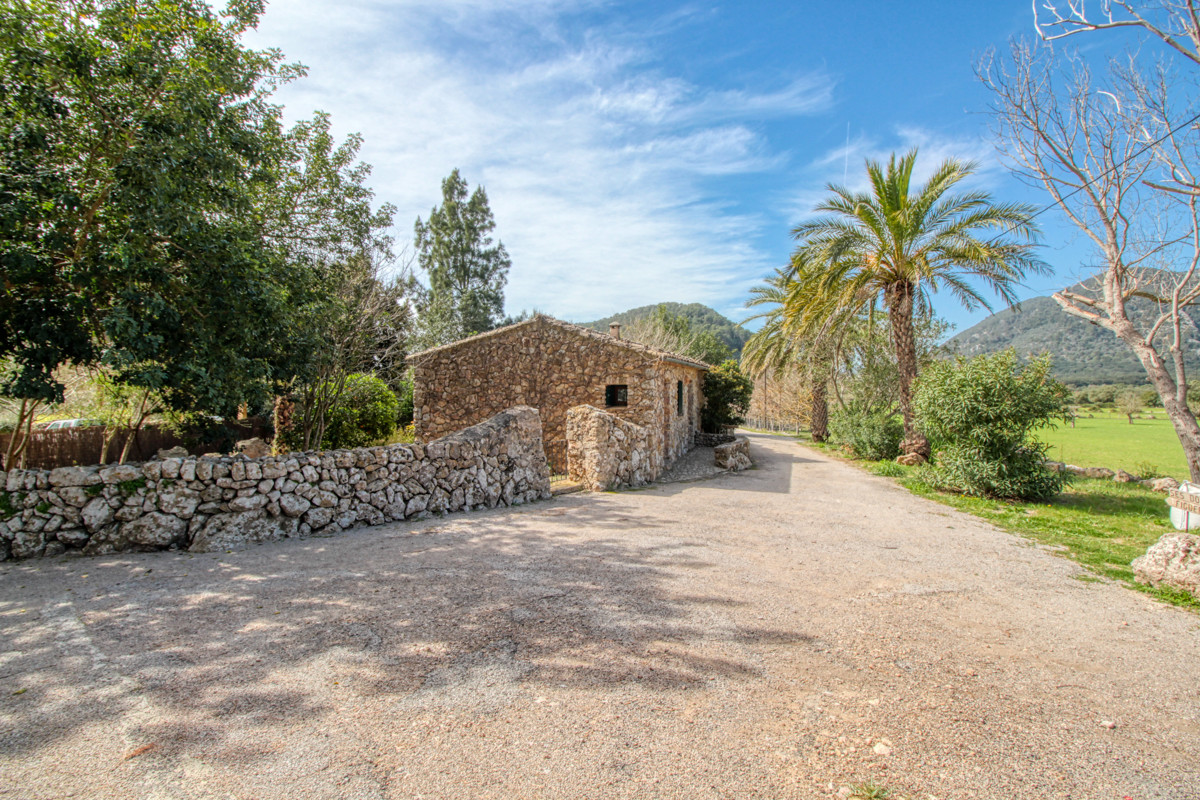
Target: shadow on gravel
{"x":212,"y":652}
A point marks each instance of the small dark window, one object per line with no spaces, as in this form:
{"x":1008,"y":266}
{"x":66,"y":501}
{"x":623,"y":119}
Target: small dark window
{"x":678,"y":397}
{"x":616,"y":394}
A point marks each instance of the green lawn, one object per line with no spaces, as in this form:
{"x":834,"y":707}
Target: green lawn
{"x":1108,"y":440}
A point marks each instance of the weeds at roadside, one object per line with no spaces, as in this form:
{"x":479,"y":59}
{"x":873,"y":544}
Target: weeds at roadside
{"x":870,"y":790}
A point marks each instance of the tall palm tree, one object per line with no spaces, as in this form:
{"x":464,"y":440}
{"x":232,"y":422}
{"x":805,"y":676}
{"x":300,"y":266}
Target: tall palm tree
{"x":897,"y":247}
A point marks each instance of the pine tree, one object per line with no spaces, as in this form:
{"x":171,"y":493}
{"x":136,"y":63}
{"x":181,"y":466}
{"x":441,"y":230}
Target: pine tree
{"x":466,"y":271}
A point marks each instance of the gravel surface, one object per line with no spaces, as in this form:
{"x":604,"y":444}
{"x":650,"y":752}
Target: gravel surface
{"x":779,"y":633}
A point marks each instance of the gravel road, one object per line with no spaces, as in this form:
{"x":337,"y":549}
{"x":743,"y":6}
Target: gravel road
{"x":779,"y":633}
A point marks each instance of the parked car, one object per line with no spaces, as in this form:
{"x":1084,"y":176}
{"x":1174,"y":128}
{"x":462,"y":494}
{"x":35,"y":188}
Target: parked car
{"x":70,"y":423}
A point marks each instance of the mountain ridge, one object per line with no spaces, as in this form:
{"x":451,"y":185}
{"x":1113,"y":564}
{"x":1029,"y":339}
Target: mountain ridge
{"x":701,"y":318}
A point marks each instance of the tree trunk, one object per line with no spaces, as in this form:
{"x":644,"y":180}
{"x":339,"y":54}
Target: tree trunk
{"x":1181,"y":416}
{"x":820,"y":412}
{"x":899,"y":298}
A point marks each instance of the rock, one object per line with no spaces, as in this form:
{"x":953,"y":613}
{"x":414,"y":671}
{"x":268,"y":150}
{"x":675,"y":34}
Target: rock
{"x":1124,"y":477}
{"x":318,"y":517}
{"x":173,"y":452}
{"x":254,"y":501}
{"x":1098,"y":472}
{"x":179,"y":502}
{"x":96,"y":514}
{"x":54,"y":549}
{"x":153,"y":530}
{"x":253,"y":448}
{"x":73,"y":537}
{"x":28,"y":543}
{"x":1107,"y":723}
{"x":1174,"y":560}
{"x":1055,"y":466}
{"x":293,"y":506}
{"x":120,"y":473}
{"x":911,"y":459}
{"x":880,"y":748}
{"x":72,"y":476}
{"x":234,"y":531}
{"x":74,"y":496}
{"x":1163,"y":485}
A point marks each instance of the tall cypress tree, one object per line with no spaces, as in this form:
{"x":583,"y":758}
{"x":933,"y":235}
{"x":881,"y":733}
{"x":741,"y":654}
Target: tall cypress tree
{"x":467,"y":272}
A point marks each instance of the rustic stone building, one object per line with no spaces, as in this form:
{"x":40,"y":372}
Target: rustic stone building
{"x":554,"y":366}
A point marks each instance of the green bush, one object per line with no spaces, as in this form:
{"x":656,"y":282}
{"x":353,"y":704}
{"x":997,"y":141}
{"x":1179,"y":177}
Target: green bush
{"x":365,"y":413}
{"x":873,"y":436}
{"x":727,"y":394}
{"x":979,"y":415}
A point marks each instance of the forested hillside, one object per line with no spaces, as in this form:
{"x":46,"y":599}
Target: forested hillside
{"x":1083,"y":353}
{"x":701,"y":318}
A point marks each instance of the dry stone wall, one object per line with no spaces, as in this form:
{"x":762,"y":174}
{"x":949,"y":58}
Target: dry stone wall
{"x":204,"y":504}
{"x":733,"y":456}
{"x":606,"y":452}
{"x":555,"y":366}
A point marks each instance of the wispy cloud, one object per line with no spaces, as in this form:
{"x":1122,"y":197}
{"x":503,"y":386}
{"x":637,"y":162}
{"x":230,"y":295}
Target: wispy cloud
{"x":604,"y":173}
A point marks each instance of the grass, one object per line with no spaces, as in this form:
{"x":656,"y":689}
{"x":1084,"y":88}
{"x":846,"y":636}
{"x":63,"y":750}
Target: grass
{"x":1108,"y":440}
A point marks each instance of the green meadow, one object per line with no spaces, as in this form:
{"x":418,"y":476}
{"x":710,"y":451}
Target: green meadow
{"x":1108,"y":440}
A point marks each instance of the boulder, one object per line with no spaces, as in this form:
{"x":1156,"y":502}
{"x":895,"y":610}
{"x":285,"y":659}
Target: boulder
{"x":1174,"y":560}
{"x":1163,"y":485}
{"x":293,"y":506}
{"x":1124,"y":477}
{"x":911,"y":459}
{"x":253,"y":448}
{"x":153,"y":530}
{"x":733,"y":456}
{"x":179,"y":502}
{"x":173,"y":452}
{"x":233,"y":531}
{"x":96,"y":514}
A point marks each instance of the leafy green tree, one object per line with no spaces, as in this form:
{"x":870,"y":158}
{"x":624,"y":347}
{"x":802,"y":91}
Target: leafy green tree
{"x":981,"y":414}
{"x":896,"y":247}
{"x":727,"y":394}
{"x":135,"y":139}
{"x":466,"y":271}
{"x":1130,"y":402}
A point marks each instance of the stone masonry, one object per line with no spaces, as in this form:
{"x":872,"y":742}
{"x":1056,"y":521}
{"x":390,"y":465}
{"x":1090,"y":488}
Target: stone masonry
{"x":555,"y":366}
{"x":606,"y":452}
{"x":204,"y":504}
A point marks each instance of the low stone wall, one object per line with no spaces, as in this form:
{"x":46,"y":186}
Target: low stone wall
{"x":1120,"y":476}
{"x":606,"y":452}
{"x":203,"y":504}
{"x":733,"y":456}
{"x":703,"y":439}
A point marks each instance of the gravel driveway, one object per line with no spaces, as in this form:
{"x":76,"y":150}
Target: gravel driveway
{"x":780,"y":633}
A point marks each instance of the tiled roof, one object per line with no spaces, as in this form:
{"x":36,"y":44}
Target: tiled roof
{"x":651,"y":352}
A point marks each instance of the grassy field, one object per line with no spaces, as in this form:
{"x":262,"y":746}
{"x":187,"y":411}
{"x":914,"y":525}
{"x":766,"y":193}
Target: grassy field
{"x":1101,"y":524}
{"x":1108,"y":440}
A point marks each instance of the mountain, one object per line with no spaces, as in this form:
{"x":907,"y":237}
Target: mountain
{"x":699,"y":316}
{"x":1082,"y":353}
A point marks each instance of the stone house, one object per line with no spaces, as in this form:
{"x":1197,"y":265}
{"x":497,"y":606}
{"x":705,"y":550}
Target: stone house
{"x":553,"y":366}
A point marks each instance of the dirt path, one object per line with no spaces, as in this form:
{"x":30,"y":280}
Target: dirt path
{"x":775,"y":634}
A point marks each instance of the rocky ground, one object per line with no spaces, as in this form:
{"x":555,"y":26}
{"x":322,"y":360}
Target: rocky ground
{"x":783,"y":632}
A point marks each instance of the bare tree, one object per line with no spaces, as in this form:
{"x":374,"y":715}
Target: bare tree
{"x":1120,"y":159}
{"x":1175,"y":22}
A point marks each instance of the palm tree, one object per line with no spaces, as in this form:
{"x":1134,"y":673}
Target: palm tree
{"x":789,"y":337}
{"x":898,"y":248}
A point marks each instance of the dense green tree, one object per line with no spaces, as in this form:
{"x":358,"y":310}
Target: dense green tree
{"x":896,"y":247}
{"x":466,"y":271}
{"x":136,"y":138}
{"x":727,"y":394}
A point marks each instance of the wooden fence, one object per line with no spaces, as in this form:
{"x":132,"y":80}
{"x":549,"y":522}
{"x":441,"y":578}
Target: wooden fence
{"x":68,"y":447}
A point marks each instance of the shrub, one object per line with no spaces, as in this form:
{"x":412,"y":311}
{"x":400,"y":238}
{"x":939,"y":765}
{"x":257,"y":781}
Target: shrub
{"x":1146,"y":470}
{"x":980,"y":414}
{"x":874,"y":436}
{"x":365,"y":413}
{"x":726,"y":397}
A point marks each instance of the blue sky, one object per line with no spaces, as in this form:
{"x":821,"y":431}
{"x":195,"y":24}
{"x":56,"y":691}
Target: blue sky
{"x":641,"y":152}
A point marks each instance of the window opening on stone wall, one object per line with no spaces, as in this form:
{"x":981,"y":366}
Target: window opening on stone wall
{"x":616,"y":394}
{"x":678,"y":397}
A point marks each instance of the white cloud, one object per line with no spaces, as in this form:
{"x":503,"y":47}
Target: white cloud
{"x":601,"y":171}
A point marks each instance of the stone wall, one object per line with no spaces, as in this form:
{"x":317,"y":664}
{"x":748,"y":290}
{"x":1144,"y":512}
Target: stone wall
{"x":606,"y":452}
{"x":733,"y":456}
{"x":554,"y":366}
{"x":204,"y":504}
{"x":703,"y":439}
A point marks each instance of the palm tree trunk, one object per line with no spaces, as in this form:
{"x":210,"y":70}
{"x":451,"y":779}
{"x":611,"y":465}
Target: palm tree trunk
{"x":899,"y":300}
{"x":819,"y":424}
